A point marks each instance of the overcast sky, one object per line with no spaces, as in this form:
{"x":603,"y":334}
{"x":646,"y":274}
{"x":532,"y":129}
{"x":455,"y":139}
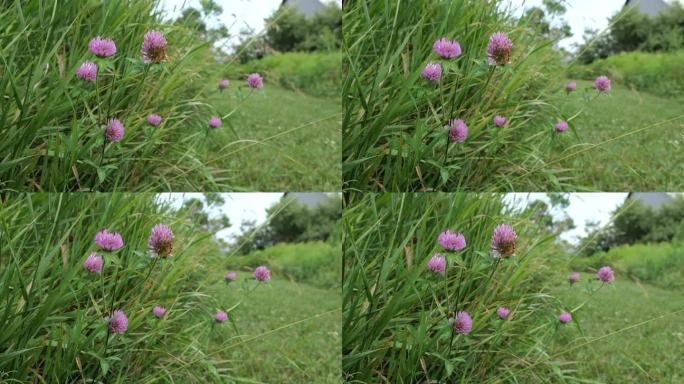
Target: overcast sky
{"x":583,"y":207}
{"x":238,"y":207}
{"x":237,"y":14}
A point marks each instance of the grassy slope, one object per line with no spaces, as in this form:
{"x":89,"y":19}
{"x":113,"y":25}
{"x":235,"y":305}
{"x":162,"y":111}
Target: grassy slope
{"x":645,"y":354}
{"x":650,"y":160}
{"x":304,"y":353}
{"x":305,"y":159}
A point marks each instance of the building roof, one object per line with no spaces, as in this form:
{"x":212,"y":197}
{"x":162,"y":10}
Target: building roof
{"x":306,"y":7}
{"x":310,"y":199}
{"x":649,"y":7}
{"x":654,"y":200}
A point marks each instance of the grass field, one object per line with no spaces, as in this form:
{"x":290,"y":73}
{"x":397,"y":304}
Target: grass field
{"x":308,"y":352}
{"x":280,"y":140}
{"x":648,"y":157}
{"x":643,"y":354}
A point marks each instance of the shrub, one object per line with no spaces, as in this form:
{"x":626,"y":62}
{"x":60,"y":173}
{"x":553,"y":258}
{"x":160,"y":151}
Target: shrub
{"x":315,"y":73}
{"x":316,"y":263}
{"x":657,"y":73}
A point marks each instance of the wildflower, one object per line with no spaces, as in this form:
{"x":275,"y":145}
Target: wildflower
{"x":230,"y":276}
{"x":159,"y":311}
{"x":114,"y":131}
{"x":503,"y":312}
{"x":437,"y":263}
{"x":561,"y":126}
{"x":221,"y":316}
{"x":565,"y":317}
{"x":109,"y":241}
{"x":451,"y":241}
{"x":154,"y":47}
{"x":262,"y":273}
{"x":448,"y":49}
{"x":461,"y":322}
{"x":606,"y":274}
{"x":87,"y":71}
{"x":571,"y":86}
{"x":160,"y":242}
{"x":118,"y":322}
{"x":432,"y":71}
{"x":458,"y":131}
{"x":503,"y":241}
{"x":602,"y":84}
{"x":102,"y":47}
{"x":499,"y":121}
{"x":154,"y":119}
{"x":499,"y":49}
{"x":223,"y":84}
{"x":93,"y":263}
{"x":574,"y":277}
{"x":255,"y":81}
{"x":214,"y":122}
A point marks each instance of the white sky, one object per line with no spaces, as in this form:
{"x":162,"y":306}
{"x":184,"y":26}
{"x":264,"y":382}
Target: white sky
{"x":237,"y":14}
{"x":238,"y":207}
{"x":583,"y":207}
{"x":580,"y":14}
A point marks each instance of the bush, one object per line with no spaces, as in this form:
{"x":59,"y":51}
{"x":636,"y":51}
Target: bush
{"x":317,"y":73}
{"x":657,"y":73}
{"x":317,"y":263}
{"x":658,"y":264}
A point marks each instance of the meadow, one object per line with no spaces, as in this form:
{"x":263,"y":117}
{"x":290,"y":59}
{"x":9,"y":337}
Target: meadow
{"x":86,"y":108}
{"x":64,"y":279}
{"x":418,"y":117}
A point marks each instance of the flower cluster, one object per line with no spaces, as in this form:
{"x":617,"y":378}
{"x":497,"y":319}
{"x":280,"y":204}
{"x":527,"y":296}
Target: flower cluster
{"x":503,"y":241}
{"x":499,"y":49}
{"x":160,"y":243}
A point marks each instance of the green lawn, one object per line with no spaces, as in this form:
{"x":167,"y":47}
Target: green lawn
{"x":280,"y":140}
{"x":308,"y":352}
{"x":649,"y":353}
{"x":652,"y":159}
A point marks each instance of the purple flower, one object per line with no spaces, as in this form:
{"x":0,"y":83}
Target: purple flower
{"x":223,"y":84}
{"x":574,"y":277}
{"x":154,"y":47}
{"x":451,"y":241}
{"x":458,"y":131}
{"x":102,"y":47}
{"x":565,"y":317}
{"x":230,"y":276}
{"x":214,"y":122}
{"x":255,"y":81}
{"x":602,"y":84}
{"x":432,"y":71}
{"x":262,"y":273}
{"x":87,"y":71}
{"x":448,"y":49}
{"x":461,"y":322}
{"x":499,"y":49}
{"x":114,"y":131}
{"x":503,"y":312}
{"x":561,"y":126}
{"x":503,"y":241}
{"x":118,"y":322}
{"x":571,"y":86}
{"x":606,"y":274}
{"x":109,"y":241}
{"x":160,"y":242}
{"x":159,"y":311}
{"x":93,"y":263}
{"x":437,"y":263}
{"x":221,"y":316}
{"x":499,"y":121}
{"x":154,"y":119}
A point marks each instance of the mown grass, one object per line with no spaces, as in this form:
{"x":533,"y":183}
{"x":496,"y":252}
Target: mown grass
{"x":628,"y":140}
{"x":613,"y":353}
{"x":279,"y":140}
{"x":307,"y":352}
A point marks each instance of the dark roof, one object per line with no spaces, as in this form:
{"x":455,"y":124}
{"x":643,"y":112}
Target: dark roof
{"x":306,"y":7}
{"x":649,"y":7}
{"x":653,"y":200}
